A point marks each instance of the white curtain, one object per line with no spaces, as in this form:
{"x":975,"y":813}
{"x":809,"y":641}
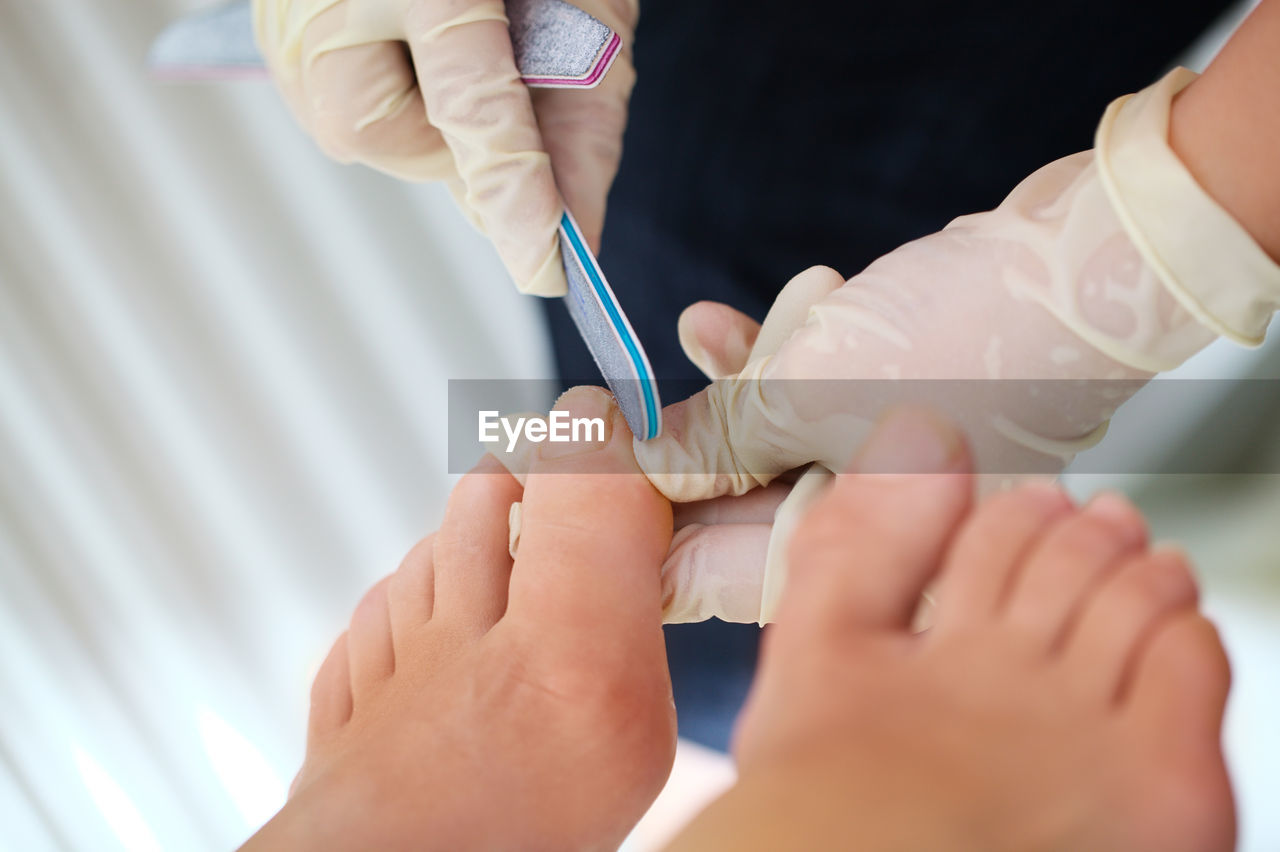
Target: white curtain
{"x":223,"y":365}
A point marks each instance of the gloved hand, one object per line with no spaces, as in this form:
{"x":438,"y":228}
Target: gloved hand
{"x":1042,"y":316}
{"x":725,"y":559}
{"x":428,"y":90}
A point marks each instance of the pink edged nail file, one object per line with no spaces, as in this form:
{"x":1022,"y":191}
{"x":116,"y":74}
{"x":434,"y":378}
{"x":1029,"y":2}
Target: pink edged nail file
{"x":608,"y":334}
{"x":556,"y":45}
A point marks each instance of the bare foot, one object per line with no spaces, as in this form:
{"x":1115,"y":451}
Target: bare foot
{"x":475,"y":704}
{"x":1068,"y":696}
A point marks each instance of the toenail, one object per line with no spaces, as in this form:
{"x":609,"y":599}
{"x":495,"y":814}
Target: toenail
{"x":589,"y":424}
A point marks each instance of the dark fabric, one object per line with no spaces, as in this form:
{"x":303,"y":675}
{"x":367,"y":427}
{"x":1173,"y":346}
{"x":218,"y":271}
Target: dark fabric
{"x":766,"y":137}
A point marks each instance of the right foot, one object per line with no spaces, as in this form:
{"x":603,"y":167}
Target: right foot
{"x":1068,"y":695}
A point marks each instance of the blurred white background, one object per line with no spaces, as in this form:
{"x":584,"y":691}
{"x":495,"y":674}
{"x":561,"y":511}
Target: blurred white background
{"x":223,"y":366}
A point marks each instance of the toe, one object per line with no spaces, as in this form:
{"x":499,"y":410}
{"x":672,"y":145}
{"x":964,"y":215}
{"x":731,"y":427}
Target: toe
{"x":988,"y":550}
{"x":471,"y":559}
{"x":410,"y":594}
{"x":1126,"y":609}
{"x":864,"y":553}
{"x":1068,"y":563}
{"x":1174,"y":709}
{"x":330,"y":693}
{"x":595,"y":534}
{"x":371,"y":654}
{"x":1180,"y":678}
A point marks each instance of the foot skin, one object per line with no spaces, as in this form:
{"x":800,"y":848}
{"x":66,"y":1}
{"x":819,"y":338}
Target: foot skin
{"x":1068,"y":695}
{"x":477,"y":704}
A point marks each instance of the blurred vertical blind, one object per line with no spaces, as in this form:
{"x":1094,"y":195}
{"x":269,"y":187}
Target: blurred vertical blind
{"x":223,"y":365}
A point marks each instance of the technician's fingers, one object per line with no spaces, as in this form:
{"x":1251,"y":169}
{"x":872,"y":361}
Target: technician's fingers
{"x":471,"y":563}
{"x":790,"y":310}
{"x":716,"y":338}
{"x":721,"y":341}
{"x":738,"y":433}
{"x":474,"y":95}
{"x":715,"y":572}
{"x":595,"y":535}
{"x":754,"y":507}
{"x":582,"y":131}
{"x":727,"y":439}
{"x":865,"y":552}
{"x":362,"y":104}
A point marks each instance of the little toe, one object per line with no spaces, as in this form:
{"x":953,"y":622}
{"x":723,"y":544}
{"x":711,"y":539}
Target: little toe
{"x":372,"y":657}
{"x":864,"y":553}
{"x":1106,"y":640}
{"x":471,"y":559}
{"x":330,"y":693}
{"x":1068,"y":562}
{"x":988,"y":551}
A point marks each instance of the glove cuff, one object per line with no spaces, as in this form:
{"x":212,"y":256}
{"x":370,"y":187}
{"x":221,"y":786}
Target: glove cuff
{"x":1205,"y":258}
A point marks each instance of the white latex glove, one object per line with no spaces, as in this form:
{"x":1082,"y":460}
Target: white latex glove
{"x":428,"y":90}
{"x":1112,"y":267}
{"x":725,"y":559}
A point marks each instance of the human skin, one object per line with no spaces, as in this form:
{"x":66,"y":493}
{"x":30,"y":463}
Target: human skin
{"x":1067,"y":696}
{"x":480,"y":703}
{"x":1225,"y":127}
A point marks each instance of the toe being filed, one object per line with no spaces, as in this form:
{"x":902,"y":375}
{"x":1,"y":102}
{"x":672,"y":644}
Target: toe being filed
{"x":1180,"y":681}
{"x":1067,"y":564}
{"x":372,"y":656}
{"x":1125,"y":612}
{"x":988,"y":550}
{"x":866,"y":551}
{"x":330,"y":693}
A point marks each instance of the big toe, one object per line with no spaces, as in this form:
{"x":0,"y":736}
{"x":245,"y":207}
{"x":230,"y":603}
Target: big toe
{"x":1175,"y":706}
{"x":594,"y":536}
{"x":866,"y":551}
{"x":1180,"y":681}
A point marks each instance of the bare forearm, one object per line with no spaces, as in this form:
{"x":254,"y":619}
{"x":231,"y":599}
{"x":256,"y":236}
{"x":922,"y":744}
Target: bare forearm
{"x":1226,"y":127}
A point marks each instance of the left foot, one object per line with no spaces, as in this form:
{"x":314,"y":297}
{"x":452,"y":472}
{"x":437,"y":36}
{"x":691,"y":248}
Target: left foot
{"x":477,"y":703}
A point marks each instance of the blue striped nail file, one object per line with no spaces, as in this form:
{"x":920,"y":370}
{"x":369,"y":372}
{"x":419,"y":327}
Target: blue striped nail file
{"x":608,"y":334}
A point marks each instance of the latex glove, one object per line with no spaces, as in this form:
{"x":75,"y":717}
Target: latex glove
{"x":428,"y":90}
{"x":725,"y":559}
{"x":1094,"y":274}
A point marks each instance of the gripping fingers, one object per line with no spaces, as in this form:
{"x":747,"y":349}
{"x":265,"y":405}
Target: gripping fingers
{"x":474,"y":96}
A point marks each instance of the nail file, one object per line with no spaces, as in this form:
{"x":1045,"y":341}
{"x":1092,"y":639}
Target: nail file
{"x":608,"y":334}
{"x":556,"y":45}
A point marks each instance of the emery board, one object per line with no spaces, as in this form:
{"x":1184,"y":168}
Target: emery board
{"x":556,"y":45}
{"x":608,"y":334}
